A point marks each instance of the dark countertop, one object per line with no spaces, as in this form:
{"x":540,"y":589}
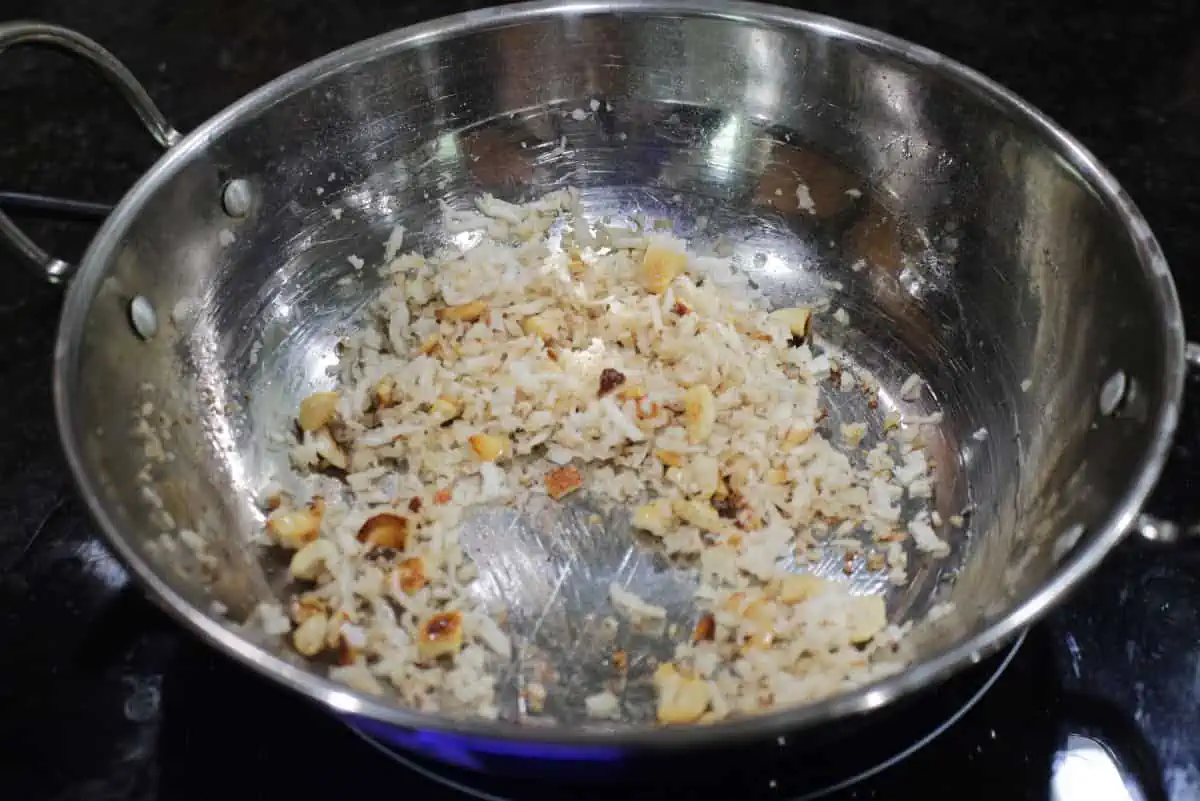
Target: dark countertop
{"x":1123,"y":77}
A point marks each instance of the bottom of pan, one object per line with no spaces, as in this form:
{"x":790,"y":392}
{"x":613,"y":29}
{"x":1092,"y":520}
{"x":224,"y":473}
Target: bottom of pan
{"x":804,"y":766}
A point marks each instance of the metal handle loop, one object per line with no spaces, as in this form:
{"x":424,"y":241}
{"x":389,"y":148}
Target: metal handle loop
{"x":1155,"y":529}
{"x":44,"y":35}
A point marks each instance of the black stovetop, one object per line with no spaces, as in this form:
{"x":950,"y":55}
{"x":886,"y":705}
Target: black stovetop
{"x":102,"y":697}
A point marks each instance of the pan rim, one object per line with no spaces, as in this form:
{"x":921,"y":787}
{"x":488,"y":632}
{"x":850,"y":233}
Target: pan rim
{"x":341,"y":699}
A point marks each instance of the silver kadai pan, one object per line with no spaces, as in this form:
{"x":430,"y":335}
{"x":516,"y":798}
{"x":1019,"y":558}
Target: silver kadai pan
{"x":995,"y":257}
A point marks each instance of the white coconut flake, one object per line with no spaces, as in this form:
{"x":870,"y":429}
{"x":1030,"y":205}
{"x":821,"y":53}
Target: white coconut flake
{"x":926,"y":539}
{"x":490,"y":634}
{"x":804,"y":199}
{"x":622,"y":423}
{"x":394,"y":242}
{"x":910,"y":390}
{"x":273,"y":619}
{"x":603,"y":705}
{"x":632,"y":606}
{"x":354,"y":636}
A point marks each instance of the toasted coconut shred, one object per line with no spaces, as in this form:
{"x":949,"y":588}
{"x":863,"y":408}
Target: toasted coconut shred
{"x":613,"y":363}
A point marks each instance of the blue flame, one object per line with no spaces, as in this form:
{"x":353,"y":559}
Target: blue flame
{"x":468,"y":752}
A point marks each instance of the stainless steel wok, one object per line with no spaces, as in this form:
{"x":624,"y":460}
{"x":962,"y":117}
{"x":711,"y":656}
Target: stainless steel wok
{"x":971,"y":240}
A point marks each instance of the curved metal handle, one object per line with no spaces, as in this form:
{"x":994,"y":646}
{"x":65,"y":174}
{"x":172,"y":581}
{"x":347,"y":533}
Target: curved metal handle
{"x":1191,"y":353}
{"x":1155,"y":529}
{"x":68,"y":41}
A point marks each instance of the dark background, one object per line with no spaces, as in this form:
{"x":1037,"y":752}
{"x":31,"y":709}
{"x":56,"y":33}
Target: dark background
{"x":1123,"y":77}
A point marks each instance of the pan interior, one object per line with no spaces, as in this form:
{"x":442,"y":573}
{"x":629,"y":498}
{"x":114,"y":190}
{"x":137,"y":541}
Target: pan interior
{"x":547,"y":565}
{"x":961,"y":243}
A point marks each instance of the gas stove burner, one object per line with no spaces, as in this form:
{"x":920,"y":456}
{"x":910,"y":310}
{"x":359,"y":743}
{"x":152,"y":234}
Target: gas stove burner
{"x":788,"y":768}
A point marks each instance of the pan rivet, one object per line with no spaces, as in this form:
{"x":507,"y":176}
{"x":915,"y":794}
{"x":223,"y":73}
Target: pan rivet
{"x":237,"y":197}
{"x":1066,"y":541}
{"x":143,"y":318}
{"x":1112,"y":393}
